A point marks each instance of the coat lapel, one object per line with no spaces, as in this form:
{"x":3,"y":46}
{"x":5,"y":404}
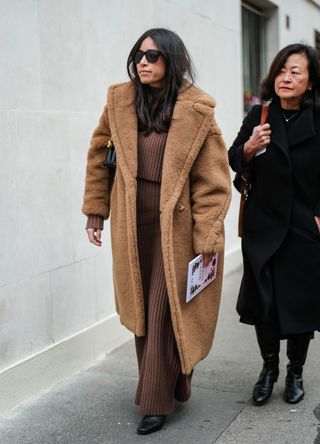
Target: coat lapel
{"x":190,"y":124}
{"x":123,"y":124}
{"x":279,"y":136}
{"x":188,"y":130}
{"x":303,"y":128}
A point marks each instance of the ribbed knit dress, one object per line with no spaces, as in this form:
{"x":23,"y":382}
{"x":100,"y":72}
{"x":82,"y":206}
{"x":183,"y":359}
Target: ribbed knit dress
{"x":160,"y":377}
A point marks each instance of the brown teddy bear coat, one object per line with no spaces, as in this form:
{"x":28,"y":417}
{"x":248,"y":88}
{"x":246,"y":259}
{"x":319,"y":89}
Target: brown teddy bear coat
{"x":195,"y":195}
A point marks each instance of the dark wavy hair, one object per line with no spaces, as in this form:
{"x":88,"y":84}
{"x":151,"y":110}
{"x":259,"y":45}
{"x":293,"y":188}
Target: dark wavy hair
{"x":154,"y":110}
{"x":310,"y":98}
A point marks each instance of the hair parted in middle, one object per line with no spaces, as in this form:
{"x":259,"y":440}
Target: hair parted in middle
{"x":154,"y":108}
{"x":311,"y":97}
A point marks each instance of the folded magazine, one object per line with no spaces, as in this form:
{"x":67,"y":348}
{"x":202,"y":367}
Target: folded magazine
{"x":199,"y":276}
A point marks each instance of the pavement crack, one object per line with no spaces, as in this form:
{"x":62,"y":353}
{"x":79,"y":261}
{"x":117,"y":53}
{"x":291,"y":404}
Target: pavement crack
{"x":230,"y":422}
{"x":316,"y":412}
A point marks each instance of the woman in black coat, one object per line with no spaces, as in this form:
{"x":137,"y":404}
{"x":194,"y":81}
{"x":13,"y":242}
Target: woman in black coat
{"x":280,"y":288}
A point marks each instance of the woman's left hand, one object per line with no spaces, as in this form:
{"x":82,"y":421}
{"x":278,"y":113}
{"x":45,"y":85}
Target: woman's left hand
{"x":207,"y":258}
{"x":94,"y":236}
{"x":317,"y":219}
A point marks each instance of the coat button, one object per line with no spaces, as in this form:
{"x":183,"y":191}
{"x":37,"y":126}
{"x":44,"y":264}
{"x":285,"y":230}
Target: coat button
{"x":181,"y":207}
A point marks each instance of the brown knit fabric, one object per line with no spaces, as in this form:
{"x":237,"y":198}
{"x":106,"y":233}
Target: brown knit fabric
{"x":94,"y":221}
{"x":160,"y":377}
{"x":150,"y":155}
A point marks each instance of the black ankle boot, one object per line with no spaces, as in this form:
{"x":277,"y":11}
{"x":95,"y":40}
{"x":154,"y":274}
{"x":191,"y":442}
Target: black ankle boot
{"x":297,"y":349}
{"x":294,"y":391}
{"x":269,"y":343}
{"x":268,"y":376}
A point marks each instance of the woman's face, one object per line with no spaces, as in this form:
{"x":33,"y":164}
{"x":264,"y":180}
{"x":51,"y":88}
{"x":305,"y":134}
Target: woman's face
{"x":151,"y":73}
{"x":292,"y":81}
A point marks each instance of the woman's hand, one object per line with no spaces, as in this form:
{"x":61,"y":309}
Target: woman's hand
{"x":317,"y":219}
{"x":260,"y":138}
{"x":94,"y":236}
{"x":207,"y":258}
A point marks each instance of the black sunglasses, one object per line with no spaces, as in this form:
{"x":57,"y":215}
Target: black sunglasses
{"x":152,"y":55}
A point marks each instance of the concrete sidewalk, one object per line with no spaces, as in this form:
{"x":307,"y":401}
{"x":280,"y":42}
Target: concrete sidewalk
{"x":96,"y":405}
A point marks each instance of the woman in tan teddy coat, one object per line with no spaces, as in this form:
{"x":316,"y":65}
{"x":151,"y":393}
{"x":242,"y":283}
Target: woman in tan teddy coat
{"x":167,"y":199}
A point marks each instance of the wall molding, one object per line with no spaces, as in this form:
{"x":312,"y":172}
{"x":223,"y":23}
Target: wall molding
{"x":41,"y":371}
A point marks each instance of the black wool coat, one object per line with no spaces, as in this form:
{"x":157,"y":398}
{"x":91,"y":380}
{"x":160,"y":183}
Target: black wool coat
{"x":281,"y":240}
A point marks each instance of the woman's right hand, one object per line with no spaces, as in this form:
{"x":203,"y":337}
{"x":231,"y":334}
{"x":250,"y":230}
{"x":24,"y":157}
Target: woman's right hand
{"x":260,"y":138}
{"x":94,"y":236}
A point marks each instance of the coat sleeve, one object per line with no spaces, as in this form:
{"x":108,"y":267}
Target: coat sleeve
{"x":210,"y":193}
{"x":99,"y":178}
{"x":235,"y":152}
{"x":317,"y":208}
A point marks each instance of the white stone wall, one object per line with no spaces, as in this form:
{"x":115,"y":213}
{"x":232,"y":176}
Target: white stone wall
{"x":57,"y":58}
{"x":304,"y":20}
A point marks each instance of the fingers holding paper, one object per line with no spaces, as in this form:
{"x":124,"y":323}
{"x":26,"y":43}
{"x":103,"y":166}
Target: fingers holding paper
{"x":259,"y":140}
{"x":207,"y":258}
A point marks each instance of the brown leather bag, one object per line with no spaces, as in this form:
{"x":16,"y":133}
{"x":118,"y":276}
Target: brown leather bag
{"x":246,"y":184}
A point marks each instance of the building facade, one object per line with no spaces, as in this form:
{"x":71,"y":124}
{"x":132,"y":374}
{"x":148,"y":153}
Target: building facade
{"x":57,"y":58}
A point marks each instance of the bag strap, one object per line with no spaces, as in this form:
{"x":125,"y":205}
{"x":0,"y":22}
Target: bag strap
{"x":264,"y":113}
{"x":246,"y":185}
{"x":246,"y":175}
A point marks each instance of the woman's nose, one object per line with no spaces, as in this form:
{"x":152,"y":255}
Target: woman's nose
{"x":287,"y":77}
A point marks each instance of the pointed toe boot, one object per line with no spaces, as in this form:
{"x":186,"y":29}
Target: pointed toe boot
{"x":268,"y":376}
{"x":269,"y":343}
{"x":297,"y":350}
{"x":294,"y":391}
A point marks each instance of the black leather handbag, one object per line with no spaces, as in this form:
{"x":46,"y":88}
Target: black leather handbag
{"x":111,"y":159}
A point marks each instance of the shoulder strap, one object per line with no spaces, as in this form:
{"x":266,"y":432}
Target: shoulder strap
{"x":245,"y":176}
{"x":264,"y":112}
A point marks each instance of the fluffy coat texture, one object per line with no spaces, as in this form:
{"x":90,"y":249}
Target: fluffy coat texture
{"x":195,"y":195}
{"x":279,"y":222}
